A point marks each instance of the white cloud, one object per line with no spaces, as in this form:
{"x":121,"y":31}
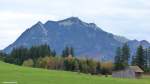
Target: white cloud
{"x":129,"y":18}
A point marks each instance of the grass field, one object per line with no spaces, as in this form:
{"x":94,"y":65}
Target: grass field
{"x":24,"y":75}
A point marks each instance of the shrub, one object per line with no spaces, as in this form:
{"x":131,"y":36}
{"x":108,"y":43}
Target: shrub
{"x":28,"y":63}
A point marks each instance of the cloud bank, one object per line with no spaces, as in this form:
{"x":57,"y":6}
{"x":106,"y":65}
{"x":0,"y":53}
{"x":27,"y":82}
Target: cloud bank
{"x":129,"y":18}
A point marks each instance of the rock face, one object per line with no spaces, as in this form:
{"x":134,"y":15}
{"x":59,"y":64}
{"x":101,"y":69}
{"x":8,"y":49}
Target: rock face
{"x":87,"y":39}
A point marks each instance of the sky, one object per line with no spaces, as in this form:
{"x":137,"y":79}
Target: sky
{"x":129,"y":18}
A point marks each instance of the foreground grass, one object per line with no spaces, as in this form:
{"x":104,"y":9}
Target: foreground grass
{"x":24,"y":75}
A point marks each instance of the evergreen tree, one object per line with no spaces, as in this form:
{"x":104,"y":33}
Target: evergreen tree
{"x":122,"y":57}
{"x":133,"y":60}
{"x":68,"y":51}
{"x":34,"y":53}
{"x":65,"y":52}
{"x":53,"y":53}
{"x":148,"y":58}
{"x":72,"y":51}
{"x":39,"y":51}
{"x":125,"y":54}
{"x":145,"y":58}
{"x":3,"y":56}
{"x":45,"y":50}
{"x":119,"y":64}
{"x":98,"y":68}
{"x":19,"y":55}
{"x":139,"y":60}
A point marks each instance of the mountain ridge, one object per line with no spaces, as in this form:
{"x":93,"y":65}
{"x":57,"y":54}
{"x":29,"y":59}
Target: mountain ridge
{"x":88,"y":39}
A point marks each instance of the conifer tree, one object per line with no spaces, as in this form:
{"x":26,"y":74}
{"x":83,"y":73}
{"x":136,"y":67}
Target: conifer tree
{"x":53,"y":53}
{"x":125,"y":54}
{"x":118,"y":60}
{"x":139,"y":60}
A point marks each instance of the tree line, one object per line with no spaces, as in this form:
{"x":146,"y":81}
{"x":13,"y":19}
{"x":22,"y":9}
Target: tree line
{"x":44,"y":57}
{"x":123,"y":58}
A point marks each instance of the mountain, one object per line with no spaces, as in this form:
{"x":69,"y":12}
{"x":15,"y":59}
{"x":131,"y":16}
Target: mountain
{"x":87,"y":39}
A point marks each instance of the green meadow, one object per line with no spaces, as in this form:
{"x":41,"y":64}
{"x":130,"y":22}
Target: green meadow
{"x":10,"y":73}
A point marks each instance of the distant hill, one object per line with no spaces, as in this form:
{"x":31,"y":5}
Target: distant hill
{"x":87,"y":39}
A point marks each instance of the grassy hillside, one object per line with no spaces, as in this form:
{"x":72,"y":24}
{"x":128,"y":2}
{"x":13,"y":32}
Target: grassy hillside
{"x":24,"y":75}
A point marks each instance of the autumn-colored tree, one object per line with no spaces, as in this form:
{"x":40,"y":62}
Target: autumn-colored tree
{"x":28,"y":63}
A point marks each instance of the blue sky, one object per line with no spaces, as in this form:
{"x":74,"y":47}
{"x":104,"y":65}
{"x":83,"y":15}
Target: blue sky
{"x":129,"y":18}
